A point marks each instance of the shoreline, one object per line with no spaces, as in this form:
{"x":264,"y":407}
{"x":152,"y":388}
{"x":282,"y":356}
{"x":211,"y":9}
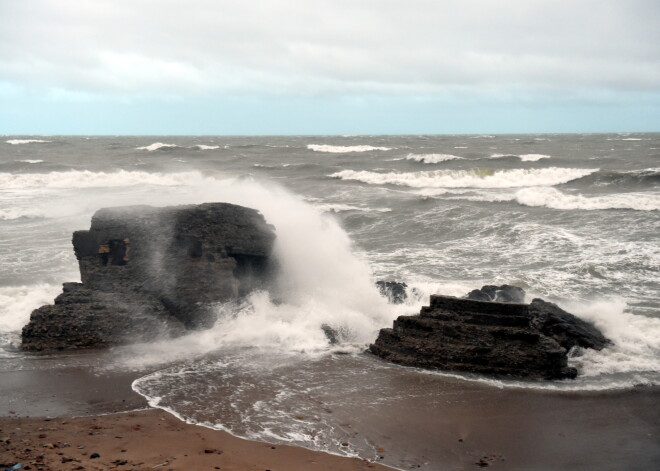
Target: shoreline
{"x":512,"y":429}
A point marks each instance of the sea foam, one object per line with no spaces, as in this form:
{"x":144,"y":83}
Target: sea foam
{"x":432,"y":158}
{"x":24,"y":141}
{"x":475,"y":178}
{"x":555,"y":199}
{"x":523,"y":157}
{"x":88,"y":179}
{"x":343,"y":149}
{"x":156,"y":146}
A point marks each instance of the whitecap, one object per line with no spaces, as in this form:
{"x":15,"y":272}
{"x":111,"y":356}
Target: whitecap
{"x":205,"y":147}
{"x":523,"y":157}
{"x":24,"y":141}
{"x":156,"y":146}
{"x":89,"y":179}
{"x":475,"y":178}
{"x":343,"y":149}
{"x":432,"y":158}
{"x":31,"y":161}
{"x":553,"y":198}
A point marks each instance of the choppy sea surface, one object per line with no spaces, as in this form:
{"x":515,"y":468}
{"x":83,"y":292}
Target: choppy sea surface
{"x":574,"y":219}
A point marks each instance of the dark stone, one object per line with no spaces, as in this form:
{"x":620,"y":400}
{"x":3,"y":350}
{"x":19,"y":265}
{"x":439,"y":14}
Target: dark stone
{"x":496,"y":338}
{"x":150,"y":273}
{"x":568,"y":330}
{"x":94,"y":456}
{"x":331,"y":334}
{"x":394,"y":291}
{"x":500,"y":294}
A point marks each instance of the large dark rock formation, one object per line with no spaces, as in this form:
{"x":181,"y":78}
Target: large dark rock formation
{"x":148,"y":272}
{"x":504,"y":339}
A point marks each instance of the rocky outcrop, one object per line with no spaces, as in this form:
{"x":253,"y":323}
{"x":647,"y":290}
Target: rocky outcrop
{"x":500,"y":294}
{"x":149,"y":272}
{"x":504,"y":339}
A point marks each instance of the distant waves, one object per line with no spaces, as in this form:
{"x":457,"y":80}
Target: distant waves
{"x":343,"y":149}
{"x":474,"y":178}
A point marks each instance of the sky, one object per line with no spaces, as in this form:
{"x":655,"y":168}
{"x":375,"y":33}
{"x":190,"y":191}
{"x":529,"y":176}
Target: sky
{"x":329,"y":67}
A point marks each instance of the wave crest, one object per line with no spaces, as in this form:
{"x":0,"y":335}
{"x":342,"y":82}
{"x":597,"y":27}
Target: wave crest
{"x":475,"y":178}
{"x":88,"y":179}
{"x":343,"y":149}
{"x":157,"y":146}
{"x":432,"y":158}
{"x":16,"y":142}
{"x":555,"y":199}
{"x":523,"y":157}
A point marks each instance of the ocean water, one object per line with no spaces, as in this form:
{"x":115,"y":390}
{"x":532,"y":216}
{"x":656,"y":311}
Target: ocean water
{"x":574,"y":219}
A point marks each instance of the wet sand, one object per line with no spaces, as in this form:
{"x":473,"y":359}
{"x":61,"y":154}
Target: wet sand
{"x":148,"y":440}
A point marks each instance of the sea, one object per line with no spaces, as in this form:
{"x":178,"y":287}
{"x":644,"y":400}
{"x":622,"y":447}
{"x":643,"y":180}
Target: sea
{"x":571,"y":218}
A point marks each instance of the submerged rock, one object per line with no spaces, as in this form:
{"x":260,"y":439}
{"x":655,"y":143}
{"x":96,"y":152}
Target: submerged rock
{"x":150,"y":272}
{"x":497,"y":338}
{"x":394,"y":291}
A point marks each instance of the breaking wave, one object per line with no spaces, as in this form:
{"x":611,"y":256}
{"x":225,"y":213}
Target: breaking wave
{"x":157,"y":146}
{"x":647,"y":176}
{"x":88,"y":179}
{"x":555,"y":199}
{"x":16,"y":142}
{"x":523,"y":157}
{"x":31,"y":161}
{"x":17,"y":302}
{"x":343,"y":149}
{"x":204,"y":147}
{"x":432,"y":158}
{"x":475,"y":178}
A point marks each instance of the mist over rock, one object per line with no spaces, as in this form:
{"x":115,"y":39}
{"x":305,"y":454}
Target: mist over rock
{"x":151,"y":272}
{"x":487,"y":337}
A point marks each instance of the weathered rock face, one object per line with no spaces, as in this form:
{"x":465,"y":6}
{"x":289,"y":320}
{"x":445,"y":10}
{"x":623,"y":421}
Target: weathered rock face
{"x":505,"y":339}
{"x":151,"y":271}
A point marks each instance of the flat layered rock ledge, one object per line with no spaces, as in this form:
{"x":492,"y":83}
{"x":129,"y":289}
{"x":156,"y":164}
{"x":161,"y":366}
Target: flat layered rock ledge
{"x":486,"y":337}
{"x":149,"y":273}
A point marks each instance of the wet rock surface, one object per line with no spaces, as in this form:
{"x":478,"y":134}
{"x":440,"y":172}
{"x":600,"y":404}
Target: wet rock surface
{"x":395,"y":291}
{"x":496,"y":338}
{"x":151,"y":272}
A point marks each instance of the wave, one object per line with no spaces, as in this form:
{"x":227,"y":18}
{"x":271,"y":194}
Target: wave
{"x":555,"y":199}
{"x":88,"y":179}
{"x":204,"y":147}
{"x":523,"y":157}
{"x":628,"y":139}
{"x":432,"y":158}
{"x":16,"y":142}
{"x":17,"y":302}
{"x":337,"y":208}
{"x":157,"y":146}
{"x":475,"y":178}
{"x":31,"y":161}
{"x":343,"y":149}
{"x":643,"y":177}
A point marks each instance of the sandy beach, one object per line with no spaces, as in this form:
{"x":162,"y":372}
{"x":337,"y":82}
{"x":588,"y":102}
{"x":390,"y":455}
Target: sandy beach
{"x":146,"y":440}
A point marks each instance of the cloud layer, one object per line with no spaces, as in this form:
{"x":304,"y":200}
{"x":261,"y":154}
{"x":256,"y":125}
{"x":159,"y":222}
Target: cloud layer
{"x":198,"y":47}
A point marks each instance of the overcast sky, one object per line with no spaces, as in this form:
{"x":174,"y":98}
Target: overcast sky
{"x":328,"y":67}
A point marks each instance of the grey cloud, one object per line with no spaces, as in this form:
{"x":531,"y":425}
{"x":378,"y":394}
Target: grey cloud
{"x":309,"y":47}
